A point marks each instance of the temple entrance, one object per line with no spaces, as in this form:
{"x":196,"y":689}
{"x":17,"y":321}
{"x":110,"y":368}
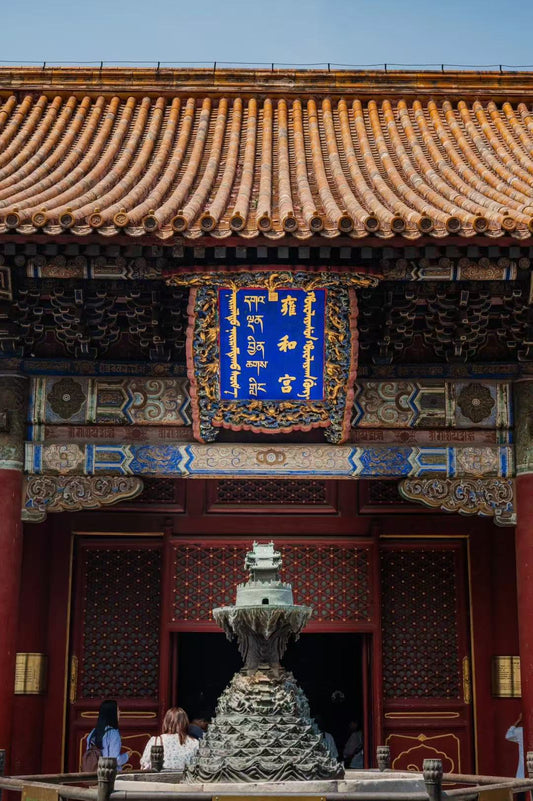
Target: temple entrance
{"x":328,"y":667}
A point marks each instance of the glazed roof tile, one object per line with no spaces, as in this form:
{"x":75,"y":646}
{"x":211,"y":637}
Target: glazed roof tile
{"x":272,"y":164}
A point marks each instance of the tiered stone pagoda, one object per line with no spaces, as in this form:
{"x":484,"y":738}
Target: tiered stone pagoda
{"x":263,"y":730}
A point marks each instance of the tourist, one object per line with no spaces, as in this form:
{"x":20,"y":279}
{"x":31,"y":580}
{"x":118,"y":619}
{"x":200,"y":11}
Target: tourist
{"x":104,"y":739}
{"x":515,"y":734}
{"x":198,"y":726}
{"x":353,"y":750}
{"x":178,"y":746}
{"x":328,"y":739}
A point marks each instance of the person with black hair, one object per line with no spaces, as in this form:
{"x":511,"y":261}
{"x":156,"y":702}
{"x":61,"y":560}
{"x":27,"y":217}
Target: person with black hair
{"x":198,"y":725}
{"x":105,"y":737}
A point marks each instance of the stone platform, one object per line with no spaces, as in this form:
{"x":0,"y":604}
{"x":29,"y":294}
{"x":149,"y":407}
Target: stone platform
{"x":370,"y":781}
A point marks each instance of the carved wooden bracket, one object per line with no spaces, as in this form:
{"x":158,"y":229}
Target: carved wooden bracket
{"x":489,"y":497}
{"x":45,"y":494}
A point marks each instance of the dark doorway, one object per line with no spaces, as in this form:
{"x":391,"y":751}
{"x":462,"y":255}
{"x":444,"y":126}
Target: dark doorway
{"x":328,"y":667}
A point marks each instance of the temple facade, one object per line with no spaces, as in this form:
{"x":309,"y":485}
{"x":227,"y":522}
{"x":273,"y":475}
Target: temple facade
{"x":288,"y":306}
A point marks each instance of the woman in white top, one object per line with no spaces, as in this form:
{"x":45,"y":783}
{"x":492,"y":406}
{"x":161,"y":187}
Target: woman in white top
{"x":178,"y":747}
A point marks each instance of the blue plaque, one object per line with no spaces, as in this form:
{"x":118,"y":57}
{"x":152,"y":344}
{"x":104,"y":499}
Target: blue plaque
{"x":272,"y":344}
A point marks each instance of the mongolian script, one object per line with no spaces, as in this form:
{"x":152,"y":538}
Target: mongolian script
{"x":272,"y":344}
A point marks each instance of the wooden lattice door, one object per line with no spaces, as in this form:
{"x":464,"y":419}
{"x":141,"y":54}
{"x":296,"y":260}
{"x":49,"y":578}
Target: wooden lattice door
{"x":115,"y":640}
{"x":426,"y":666}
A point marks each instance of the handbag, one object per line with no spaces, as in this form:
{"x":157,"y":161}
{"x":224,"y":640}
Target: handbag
{"x":89,"y":760}
{"x":157,"y":754}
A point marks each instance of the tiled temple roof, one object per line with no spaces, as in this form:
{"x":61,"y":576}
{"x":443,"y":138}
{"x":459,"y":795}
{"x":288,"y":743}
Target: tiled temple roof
{"x":274,"y":159}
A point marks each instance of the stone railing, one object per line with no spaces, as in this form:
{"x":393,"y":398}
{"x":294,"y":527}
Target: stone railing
{"x":104,"y":787}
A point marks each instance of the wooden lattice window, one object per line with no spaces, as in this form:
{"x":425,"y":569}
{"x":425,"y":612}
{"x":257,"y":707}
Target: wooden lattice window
{"x":121,"y":622}
{"x":383,"y":493}
{"x":159,"y":493}
{"x":285,"y":496}
{"x":381,"y":496}
{"x":421,"y":656}
{"x":333,"y":579}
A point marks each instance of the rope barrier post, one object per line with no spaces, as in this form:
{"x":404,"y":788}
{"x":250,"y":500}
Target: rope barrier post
{"x":383,"y":757}
{"x":106,"y":774}
{"x":432,"y":772}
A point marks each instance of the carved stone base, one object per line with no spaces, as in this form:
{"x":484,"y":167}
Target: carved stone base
{"x":490,"y":497}
{"x":45,"y":494}
{"x":263,"y":732}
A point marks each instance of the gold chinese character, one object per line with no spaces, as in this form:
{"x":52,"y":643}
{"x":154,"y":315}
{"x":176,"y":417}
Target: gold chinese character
{"x":286,"y":382}
{"x":288,"y":306}
{"x":255,"y":346}
{"x":285,"y":344}
{"x":254,"y":387}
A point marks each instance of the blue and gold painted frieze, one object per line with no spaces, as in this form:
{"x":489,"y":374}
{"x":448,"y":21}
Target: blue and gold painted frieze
{"x":427,"y":404}
{"x":165,"y":402}
{"x":132,"y":401}
{"x":194,"y":460}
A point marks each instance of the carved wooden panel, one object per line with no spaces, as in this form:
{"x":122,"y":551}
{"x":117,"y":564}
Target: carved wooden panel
{"x":410,"y":750}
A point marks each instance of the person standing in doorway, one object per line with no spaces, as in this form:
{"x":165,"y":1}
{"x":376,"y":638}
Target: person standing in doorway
{"x":105,"y":737}
{"x":198,"y":725}
{"x":353,"y":750}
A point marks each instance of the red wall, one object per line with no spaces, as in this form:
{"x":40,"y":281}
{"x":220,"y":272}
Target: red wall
{"x":38,"y":740}
{"x":493,"y":576}
{"x":32,"y":637}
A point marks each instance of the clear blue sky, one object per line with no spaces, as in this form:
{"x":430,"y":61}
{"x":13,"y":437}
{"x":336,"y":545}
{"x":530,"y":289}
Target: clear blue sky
{"x":295,"y":31}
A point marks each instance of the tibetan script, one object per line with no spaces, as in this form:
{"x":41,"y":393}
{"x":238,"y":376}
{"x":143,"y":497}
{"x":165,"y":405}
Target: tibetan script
{"x":272,"y":344}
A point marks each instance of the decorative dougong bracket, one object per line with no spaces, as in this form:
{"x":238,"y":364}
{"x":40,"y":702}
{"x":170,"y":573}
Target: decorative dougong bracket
{"x":45,"y":494}
{"x":491,"y":497}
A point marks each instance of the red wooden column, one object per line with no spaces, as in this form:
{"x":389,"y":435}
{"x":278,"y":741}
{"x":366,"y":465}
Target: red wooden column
{"x":13,"y":392}
{"x":523,"y":396}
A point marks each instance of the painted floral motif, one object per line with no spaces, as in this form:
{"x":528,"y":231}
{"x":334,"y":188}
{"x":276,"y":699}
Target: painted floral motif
{"x":63,"y":459}
{"x":66,"y":398}
{"x":476,"y":402}
{"x":477,"y":462}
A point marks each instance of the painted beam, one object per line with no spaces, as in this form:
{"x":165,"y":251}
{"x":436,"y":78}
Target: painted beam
{"x":193,"y":460}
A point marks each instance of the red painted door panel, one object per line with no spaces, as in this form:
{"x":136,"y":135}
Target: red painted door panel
{"x":426,"y":668}
{"x":115,"y":636}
